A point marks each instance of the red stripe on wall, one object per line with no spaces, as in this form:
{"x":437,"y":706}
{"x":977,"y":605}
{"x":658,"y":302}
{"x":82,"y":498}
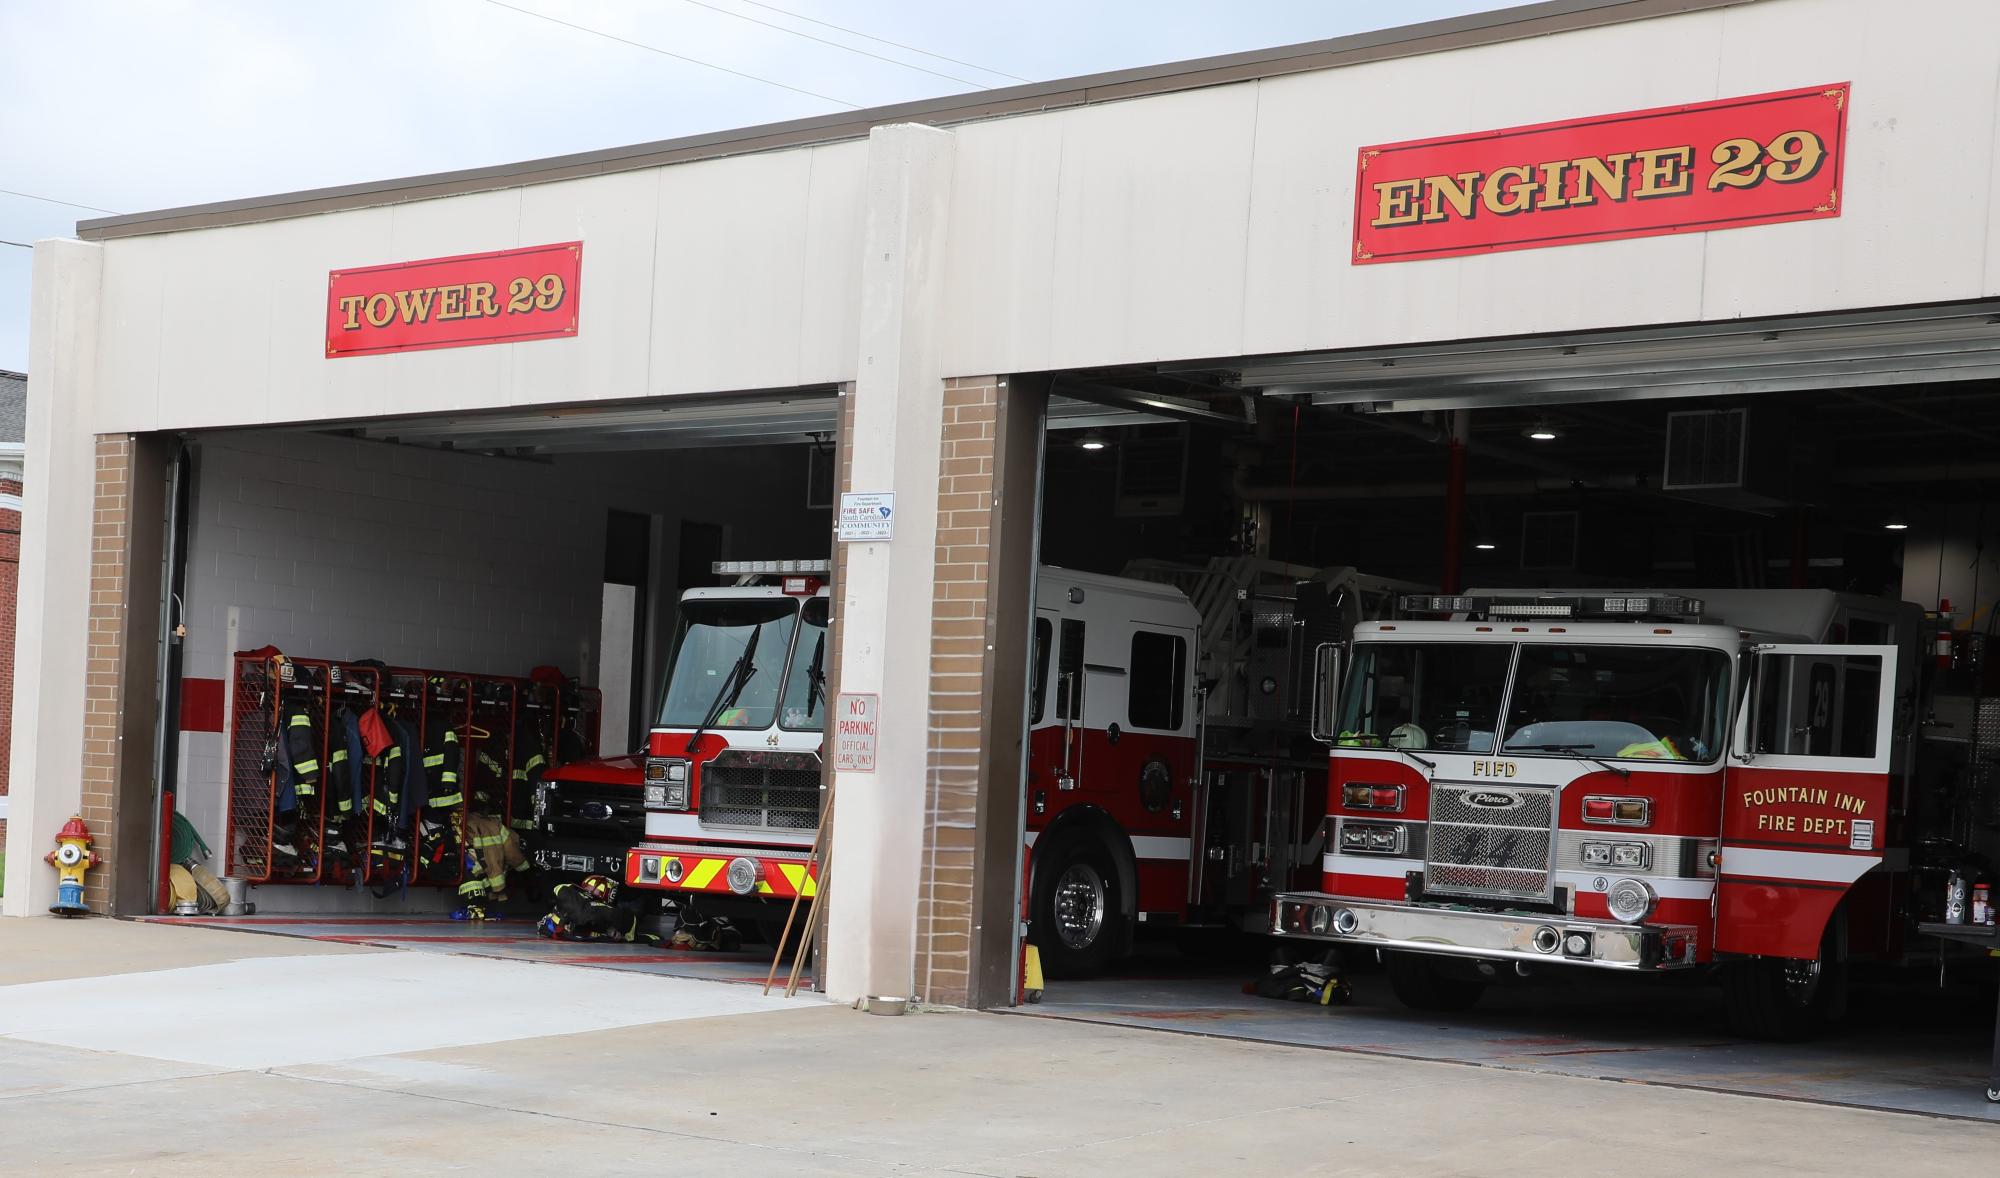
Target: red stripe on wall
{"x":201,"y":705}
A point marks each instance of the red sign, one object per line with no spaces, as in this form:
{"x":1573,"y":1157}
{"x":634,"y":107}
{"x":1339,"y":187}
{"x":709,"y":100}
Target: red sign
{"x":1680,"y":169}
{"x":491,"y":298}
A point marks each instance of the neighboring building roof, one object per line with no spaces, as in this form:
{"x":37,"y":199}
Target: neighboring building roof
{"x":13,"y":407}
{"x":1478,"y":28}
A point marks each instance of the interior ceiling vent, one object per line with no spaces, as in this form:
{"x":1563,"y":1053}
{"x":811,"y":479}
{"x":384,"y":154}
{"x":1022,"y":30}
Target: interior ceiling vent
{"x":1706,"y":449}
{"x":1152,"y":471}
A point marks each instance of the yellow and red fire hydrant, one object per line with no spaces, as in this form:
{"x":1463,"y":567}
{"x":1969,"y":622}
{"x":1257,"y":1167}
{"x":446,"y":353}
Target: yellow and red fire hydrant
{"x":71,"y":858}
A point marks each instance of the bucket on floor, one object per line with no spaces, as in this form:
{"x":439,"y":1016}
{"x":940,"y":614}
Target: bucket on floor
{"x":238,"y":906}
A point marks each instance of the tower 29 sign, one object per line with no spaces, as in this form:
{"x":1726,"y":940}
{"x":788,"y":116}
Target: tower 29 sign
{"x":492,"y":298}
{"x":1684,"y":169}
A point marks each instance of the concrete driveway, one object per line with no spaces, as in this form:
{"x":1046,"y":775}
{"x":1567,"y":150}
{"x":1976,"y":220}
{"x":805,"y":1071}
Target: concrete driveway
{"x":134,"y":1049}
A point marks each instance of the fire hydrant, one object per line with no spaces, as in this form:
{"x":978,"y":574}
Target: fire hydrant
{"x":71,"y":858}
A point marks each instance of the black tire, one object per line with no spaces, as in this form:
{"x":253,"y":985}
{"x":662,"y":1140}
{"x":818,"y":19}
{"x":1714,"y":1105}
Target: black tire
{"x":1420,"y":984}
{"x":770,"y":931}
{"x":1782,"y":1000}
{"x":1077,"y":918}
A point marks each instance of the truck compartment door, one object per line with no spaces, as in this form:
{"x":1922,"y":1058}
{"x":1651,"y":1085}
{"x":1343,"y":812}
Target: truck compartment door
{"x":1806,"y":793}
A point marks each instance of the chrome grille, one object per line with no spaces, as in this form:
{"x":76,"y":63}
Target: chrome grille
{"x":776,"y":791}
{"x":1491,"y":841}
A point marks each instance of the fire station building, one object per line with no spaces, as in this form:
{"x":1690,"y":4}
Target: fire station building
{"x":1738,"y":260}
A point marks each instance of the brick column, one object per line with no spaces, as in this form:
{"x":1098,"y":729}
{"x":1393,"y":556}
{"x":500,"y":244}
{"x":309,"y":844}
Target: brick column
{"x":982,"y":615}
{"x":110,"y":534}
{"x":121,"y":669}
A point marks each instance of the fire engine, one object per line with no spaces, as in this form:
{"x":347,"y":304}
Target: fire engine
{"x":1645,"y":782}
{"x":1167,"y":781}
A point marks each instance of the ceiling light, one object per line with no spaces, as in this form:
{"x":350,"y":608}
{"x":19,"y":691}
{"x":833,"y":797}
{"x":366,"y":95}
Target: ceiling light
{"x":1486,"y":546}
{"x":1541,"y":431}
{"x":1897,"y":527}
{"x":1091,"y":441}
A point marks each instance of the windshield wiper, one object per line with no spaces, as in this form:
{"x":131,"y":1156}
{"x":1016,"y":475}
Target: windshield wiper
{"x":1574,"y":750}
{"x":1396,"y":748}
{"x":815,"y":677}
{"x":732,"y":686}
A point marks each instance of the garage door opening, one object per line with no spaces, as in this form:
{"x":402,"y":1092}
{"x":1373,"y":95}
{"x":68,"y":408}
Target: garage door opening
{"x":507,"y":594}
{"x":1814,"y":467}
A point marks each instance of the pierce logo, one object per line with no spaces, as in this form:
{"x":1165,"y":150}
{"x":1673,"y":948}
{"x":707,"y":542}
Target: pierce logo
{"x":1493,"y":801}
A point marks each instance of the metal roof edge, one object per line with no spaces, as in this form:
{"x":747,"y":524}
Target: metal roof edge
{"x":1472,"y":29}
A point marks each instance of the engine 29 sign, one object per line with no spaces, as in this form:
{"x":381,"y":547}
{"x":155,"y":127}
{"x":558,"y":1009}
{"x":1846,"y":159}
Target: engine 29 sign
{"x":1684,"y":169}
{"x":503,"y":297}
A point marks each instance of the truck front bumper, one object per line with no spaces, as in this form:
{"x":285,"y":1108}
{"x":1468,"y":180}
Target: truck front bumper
{"x":1497,"y":936}
{"x":580,"y":862}
{"x":745,"y":872}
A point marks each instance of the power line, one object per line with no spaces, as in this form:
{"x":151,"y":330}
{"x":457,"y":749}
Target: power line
{"x":52,"y":200}
{"x":17,"y":244}
{"x":884,"y":41}
{"x":837,"y":45}
{"x":676,"y":56}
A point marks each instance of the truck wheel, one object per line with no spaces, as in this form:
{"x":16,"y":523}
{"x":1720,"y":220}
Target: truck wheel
{"x":1782,"y":999}
{"x":1420,"y":984}
{"x":1076,"y":919}
{"x":769,"y":931}
{"x":1779,"y":999}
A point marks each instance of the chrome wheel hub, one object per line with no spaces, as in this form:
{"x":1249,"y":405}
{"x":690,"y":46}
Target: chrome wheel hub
{"x":1079,"y":906}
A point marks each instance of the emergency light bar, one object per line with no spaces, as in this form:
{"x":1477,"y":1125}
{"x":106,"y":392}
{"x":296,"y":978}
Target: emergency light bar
{"x":740,"y":568}
{"x":1629,"y":606}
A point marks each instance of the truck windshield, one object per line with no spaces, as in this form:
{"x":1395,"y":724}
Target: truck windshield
{"x":705,"y":675}
{"x":805,"y":682}
{"x":1417,"y":695}
{"x":1645,"y":703}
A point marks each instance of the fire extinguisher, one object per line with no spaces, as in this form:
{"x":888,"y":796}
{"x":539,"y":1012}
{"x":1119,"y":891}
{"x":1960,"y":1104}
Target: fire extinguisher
{"x":1941,"y":650}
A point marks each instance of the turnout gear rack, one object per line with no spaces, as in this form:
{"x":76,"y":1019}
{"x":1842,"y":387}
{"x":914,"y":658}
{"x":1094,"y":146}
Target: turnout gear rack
{"x":353,"y":773}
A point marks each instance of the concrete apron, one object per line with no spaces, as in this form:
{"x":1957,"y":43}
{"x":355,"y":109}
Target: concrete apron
{"x":511,"y":939}
{"x":270,"y":1008}
{"x":1902,"y":1051}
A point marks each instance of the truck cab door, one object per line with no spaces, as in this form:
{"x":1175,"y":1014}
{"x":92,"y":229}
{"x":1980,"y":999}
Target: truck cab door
{"x":1806,"y":793}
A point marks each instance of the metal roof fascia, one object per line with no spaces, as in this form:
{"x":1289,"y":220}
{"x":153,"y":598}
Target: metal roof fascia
{"x":1472,"y":29}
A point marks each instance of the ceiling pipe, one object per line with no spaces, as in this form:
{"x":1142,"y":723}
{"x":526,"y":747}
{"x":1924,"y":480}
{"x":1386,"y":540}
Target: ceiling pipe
{"x":1256,"y":493}
{"x":1932,"y":420}
{"x":1437,"y":436}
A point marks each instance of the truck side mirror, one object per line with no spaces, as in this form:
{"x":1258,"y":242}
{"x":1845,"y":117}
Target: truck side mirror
{"x":1326,"y":691}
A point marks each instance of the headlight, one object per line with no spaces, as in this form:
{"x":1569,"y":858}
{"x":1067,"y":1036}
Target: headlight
{"x":1630,"y":900}
{"x":1379,"y":838}
{"x":677,"y":771}
{"x":677,"y":792}
{"x":1632,"y":855}
{"x":744,"y":873}
{"x":656,"y":797}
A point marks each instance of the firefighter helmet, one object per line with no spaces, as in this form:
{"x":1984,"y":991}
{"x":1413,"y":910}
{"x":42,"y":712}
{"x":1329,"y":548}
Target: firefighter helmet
{"x":598,"y":887}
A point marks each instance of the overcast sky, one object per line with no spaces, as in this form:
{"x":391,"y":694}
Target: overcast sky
{"x":130,"y":105}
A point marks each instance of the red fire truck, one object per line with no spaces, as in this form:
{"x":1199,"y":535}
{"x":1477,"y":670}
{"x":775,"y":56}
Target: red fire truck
{"x":1166,"y":782}
{"x":1642,"y":782}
